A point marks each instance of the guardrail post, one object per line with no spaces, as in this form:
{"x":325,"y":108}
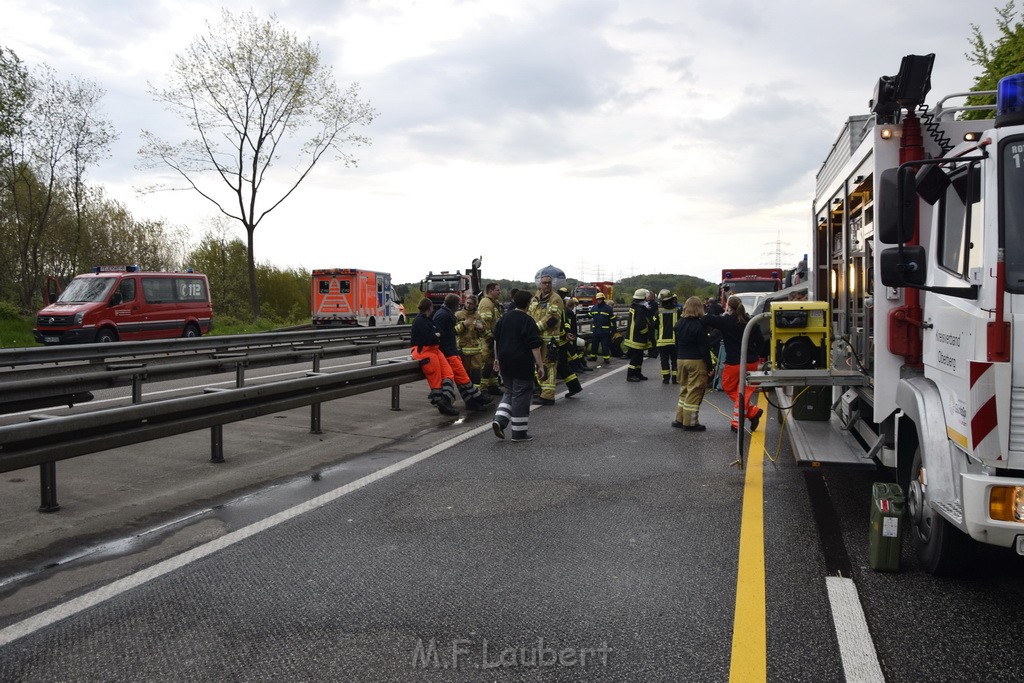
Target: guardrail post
{"x":137,"y":377}
{"x":47,"y":479}
{"x":395,"y":392}
{"x":315,"y":426}
{"x":216,"y":434}
{"x":240,"y":374}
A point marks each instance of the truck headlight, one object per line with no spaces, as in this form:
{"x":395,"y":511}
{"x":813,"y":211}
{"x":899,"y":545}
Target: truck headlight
{"x":1006,"y":503}
{"x":79,"y":317}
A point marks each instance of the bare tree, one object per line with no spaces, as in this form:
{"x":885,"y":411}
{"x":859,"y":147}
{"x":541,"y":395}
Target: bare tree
{"x":249,"y":89}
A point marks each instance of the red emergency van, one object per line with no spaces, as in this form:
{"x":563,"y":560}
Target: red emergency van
{"x":115,"y":303}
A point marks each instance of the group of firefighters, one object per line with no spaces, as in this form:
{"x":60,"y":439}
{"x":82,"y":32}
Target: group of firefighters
{"x":456,"y":344}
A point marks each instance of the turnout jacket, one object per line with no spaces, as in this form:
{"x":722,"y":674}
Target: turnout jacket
{"x":692,"y":341}
{"x":638,"y":336}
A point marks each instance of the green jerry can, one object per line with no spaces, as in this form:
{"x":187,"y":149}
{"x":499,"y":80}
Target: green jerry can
{"x":885,"y":538}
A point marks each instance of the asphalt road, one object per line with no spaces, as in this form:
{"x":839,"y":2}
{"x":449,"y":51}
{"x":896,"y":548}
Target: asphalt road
{"x":409,"y":546}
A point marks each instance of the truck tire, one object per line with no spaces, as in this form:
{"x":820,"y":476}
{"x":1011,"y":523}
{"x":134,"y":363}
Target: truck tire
{"x":401,"y":320}
{"x":372,"y":322}
{"x":942,"y":549}
{"x":105,"y":335}
{"x":191,"y":331}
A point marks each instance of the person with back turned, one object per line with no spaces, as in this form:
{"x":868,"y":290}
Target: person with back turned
{"x":518,"y":355}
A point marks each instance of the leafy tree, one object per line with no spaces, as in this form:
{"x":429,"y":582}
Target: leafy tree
{"x":285,"y":293}
{"x":248,"y":89}
{"x":15,"y":87}
{"x":1003,"y":57}
{"x":224,"y":261}
{"x":46,"y":153}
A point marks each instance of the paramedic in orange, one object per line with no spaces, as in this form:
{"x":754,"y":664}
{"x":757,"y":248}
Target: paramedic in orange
{"x":731,"y":325}
{"x":426,"y":340}
{"x":444,"y":319}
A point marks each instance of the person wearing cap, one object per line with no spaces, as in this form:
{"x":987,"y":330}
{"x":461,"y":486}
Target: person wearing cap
{"x":665,"y":337}
{"x":602,"y":325}
{"x":638,"y":336}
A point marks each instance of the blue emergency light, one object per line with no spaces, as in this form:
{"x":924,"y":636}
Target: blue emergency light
{"x":1010,"y":101}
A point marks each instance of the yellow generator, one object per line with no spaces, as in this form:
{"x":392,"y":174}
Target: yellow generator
{"x":800,"y":335}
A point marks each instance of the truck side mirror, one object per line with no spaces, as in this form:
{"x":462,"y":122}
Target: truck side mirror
{"x":52,"y":298}
{"x":903,"y":267}
{"x":896,"y":205}
{"x":116,"y":299}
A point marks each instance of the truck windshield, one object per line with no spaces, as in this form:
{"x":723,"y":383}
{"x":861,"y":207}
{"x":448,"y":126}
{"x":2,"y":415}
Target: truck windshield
{"x":1012,"y":203}
{"x":84,"y":289}
{"x":585,"y":291}
{"x":752,"y":286}
{"x":443,"y":285}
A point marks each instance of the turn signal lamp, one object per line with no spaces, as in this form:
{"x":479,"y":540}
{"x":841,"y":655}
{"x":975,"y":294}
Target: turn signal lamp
{"x":1010,"y":101}
{"x":1006,"y":503}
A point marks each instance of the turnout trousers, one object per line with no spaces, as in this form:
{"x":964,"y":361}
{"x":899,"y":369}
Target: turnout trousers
{"x":693,"y":380}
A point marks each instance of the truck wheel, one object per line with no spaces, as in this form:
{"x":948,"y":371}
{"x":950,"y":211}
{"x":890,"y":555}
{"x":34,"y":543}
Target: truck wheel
{"x":372,"y":322}
{"x":942,"y":548}
{"x":106,"y":336}
{"x":401,"y":320}
{"x":191,"y":331}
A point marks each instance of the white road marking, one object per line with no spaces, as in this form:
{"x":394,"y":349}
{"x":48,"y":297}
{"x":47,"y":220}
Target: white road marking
{"x":857,"y":650}
{"x":91,"y":599}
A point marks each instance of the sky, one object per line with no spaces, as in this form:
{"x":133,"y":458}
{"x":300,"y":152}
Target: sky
{"x":605,"y":137}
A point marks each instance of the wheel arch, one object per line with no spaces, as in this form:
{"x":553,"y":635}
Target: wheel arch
{"x":921,"y":403}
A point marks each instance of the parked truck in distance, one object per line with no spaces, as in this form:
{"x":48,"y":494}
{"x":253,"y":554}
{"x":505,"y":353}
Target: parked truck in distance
{"x":437,"y":286}
{"x":586,"y":291}
{"x":749,"y":280}
{"x":351,"y":296}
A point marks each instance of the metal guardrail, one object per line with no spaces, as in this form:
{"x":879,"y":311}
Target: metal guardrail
{"x":45,"y":440}
{"x":37,"y":380}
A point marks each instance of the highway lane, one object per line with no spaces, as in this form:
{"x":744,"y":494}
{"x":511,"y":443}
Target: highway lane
{"x":610,"y":534}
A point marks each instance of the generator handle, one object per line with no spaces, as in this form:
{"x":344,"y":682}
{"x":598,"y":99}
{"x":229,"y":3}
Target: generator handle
{"x":742,"y":414}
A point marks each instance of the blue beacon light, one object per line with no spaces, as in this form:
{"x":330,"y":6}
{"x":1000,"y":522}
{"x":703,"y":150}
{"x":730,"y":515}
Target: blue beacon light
{"x":1010,"y":101}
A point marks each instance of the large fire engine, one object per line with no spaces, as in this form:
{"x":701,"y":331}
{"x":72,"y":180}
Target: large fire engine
{"x":436,"y":286}
{"x":586,"y":292}
{"x":918,"y":268}
{"x":749,"y":280}
{"x":350,"y":296}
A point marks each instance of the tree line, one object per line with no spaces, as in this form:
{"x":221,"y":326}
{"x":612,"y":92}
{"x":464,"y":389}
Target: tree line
{"x":53,"y":222}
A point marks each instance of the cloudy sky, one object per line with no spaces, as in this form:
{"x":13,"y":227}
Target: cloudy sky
{"x":606,"y":137}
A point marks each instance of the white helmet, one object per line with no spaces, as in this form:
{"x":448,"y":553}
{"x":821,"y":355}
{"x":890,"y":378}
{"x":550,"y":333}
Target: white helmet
{"x":640,"y":294}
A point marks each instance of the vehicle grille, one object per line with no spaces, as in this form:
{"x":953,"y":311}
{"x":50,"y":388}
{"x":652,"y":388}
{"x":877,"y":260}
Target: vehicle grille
{"x":1017,"y":419}
{"x":54,"y":320}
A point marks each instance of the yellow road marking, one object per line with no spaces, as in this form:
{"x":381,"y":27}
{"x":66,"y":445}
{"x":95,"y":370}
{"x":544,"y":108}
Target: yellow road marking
{"x":749,"y":660}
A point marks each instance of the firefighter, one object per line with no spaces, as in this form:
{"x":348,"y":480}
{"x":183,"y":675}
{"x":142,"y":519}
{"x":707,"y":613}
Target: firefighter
{"x":638,"y":336}
{"x":469,"y":337}
{"x":665,"y":338}
{"x":444,"y":318}
{"x":548,"y":311}
{"x":490,"y":312}
{"x":602,"y":326}
{"x":426,"y":339}
{"x":574,"y":359}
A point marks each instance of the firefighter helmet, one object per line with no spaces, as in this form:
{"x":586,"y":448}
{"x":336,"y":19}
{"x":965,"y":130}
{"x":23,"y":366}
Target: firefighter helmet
{"x":599,"y":295}
{"x":640,"y":294}
{"x":665,"y":295}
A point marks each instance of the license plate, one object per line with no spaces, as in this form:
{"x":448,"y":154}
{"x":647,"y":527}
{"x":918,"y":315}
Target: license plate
{"x":51,"y":340}
{"x":1020,"y":545}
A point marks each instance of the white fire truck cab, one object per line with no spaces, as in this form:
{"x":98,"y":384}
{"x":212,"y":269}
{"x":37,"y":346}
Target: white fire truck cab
{"x":919,"y":253}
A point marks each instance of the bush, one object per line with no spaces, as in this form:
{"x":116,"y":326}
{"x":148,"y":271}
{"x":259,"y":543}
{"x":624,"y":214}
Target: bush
{"x":9,"y":311}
